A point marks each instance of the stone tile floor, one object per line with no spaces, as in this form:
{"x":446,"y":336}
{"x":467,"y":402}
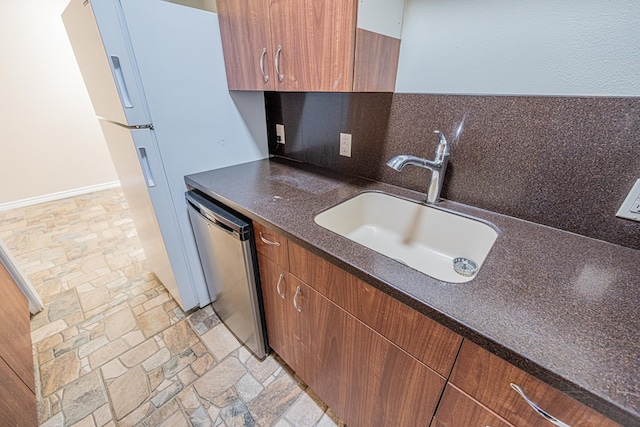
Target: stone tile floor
{"x":112,"y":347}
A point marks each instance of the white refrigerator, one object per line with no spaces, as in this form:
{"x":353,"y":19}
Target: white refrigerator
{"x":155,"y":74}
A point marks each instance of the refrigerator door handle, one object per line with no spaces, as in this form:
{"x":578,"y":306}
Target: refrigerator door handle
{"x":146,"y":169}
{"x":122,"y":85}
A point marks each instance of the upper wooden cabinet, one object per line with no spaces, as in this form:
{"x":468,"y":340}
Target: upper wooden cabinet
{"x":306,"y":46}
{"x":246,"y":42}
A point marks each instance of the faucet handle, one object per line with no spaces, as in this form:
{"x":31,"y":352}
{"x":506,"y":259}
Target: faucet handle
{"x":443,"y":146}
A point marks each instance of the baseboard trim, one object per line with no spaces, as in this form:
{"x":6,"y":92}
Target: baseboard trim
{"x":57,"y":196}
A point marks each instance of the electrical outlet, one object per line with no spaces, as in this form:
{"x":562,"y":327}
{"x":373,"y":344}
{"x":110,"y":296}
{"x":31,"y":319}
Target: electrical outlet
{"x":280,"y":134}
{"x":345,"y":144}
{"x":630,"y":208}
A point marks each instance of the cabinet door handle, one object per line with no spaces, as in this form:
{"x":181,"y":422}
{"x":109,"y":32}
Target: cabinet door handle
{"x":277,"y":63}
{"x":553,"y":420}
{"x":264,"y":75}
{"x":295,"y":300}
{"x":278,"y":286}
{"x":268,"y":242}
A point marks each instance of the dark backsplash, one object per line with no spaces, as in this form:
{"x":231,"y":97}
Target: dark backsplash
{"x":559,"y":161}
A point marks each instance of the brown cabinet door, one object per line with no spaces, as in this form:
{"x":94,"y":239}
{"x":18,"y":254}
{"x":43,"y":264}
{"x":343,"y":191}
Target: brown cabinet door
{"x":17,"y":384}
{"x":246,"y":43}
{"x":317,"y":44}
{"x":303,"y":46}
{"x":428,"y":341}
{"x":487,"y":378}
{"x":363,"y":377}
{"x":276,"y":297}
{"x":311,"y":330}
{"x":17,"y":402}
{"x":15,"y":329}
{"x":376,"y":62}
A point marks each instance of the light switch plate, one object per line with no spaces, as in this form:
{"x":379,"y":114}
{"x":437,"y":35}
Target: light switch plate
{"x":630,"y":208}
{"x":280,"y":134}
{"x":345,"y":144}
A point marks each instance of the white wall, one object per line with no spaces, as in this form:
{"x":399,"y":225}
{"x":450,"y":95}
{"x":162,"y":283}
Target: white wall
{"x":545,"y":47}
{"x":50,"y":141}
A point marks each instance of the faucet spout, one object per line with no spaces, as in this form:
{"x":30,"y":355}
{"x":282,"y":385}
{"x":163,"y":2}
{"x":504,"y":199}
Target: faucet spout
{"x":437,"y":166}
{"x":399,"y":162}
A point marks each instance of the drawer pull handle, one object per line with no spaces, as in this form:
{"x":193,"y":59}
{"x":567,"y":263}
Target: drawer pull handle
{"x":553,"y":420}
{"x":295,"y":301}
{"x":264,"y":75}
{"x":278,"y":287}
{"x":268,"y":242}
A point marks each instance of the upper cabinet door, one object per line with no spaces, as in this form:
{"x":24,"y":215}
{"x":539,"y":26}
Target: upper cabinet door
{"x":313,"y":44}
{"x":310,"y":45}
{"x":246,"y":43}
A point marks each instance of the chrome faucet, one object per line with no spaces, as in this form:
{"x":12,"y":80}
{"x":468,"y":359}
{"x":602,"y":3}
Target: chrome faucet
{"x":437,"y":166}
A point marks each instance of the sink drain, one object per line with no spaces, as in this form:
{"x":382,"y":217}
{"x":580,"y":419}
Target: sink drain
{"x":465,"y":266}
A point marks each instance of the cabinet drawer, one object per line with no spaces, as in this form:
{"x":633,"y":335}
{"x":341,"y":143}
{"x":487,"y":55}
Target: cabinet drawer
{"x":431,"y":343}
{"x":487,"y":378}
{"x":272,"y":245}
{"x":456,"y":409}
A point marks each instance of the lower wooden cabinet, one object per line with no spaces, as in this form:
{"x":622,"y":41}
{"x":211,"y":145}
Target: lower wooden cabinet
{"x":377,"y":362}
{"x":426,"y":340}
{"x":276,"y":287}
{"x":366,"y":379}
{"x":17,"y":383}
{"x":362,"y":376}
{"x":487,"y":378}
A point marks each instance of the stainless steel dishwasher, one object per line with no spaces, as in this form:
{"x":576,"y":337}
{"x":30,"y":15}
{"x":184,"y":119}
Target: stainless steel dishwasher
{"x":228,"y":256}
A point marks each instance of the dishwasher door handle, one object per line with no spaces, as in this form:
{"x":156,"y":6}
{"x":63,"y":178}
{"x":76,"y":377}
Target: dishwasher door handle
{"x":211,"y":212}
{"x":214,"y":222}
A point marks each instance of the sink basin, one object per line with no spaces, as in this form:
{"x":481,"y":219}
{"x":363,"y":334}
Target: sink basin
{"x":424,"y":238}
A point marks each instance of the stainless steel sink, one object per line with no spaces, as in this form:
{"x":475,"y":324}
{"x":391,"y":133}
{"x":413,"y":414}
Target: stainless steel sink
{"x":441,"y":244}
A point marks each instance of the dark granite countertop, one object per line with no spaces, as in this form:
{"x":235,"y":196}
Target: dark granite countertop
{"x":560,"y":306}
